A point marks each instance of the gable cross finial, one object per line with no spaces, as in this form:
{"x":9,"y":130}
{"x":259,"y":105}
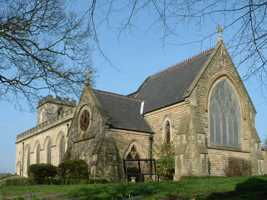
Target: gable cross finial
{"x":87,"y":76}
{"x":219,"y":31}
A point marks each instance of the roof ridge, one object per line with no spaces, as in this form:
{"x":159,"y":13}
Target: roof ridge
{"x":182,"y":63}
{"x":117,"y":95}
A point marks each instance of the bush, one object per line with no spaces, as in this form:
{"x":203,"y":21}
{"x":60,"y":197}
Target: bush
{"x":42,"y":173}
{"x":73,"y":171}
{"x":166,"y":163}
{"x":238,"y":167}
{"x":165,"y":167}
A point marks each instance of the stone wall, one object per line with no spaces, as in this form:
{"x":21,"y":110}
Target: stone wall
{"x":264,"y":152}
{"x":54,"y":134}
{"x":219,"y":160}
{"x":179,"y":116}
{"x":124,"y":140}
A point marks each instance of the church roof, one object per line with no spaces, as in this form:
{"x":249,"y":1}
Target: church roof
{"x":159,"y":90}
{"x":171,"y":85}
{"x":123,"y":111}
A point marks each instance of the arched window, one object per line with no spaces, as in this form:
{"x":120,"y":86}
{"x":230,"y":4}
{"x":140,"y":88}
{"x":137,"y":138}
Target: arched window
{"x":61,"y":148}
{"x":225,"y":115}
{"x":133,"y":154}
{"x":167,"y":132}
{"x":48,"y":152}
{"x":59,"y":112}
{"x":38,"y":148}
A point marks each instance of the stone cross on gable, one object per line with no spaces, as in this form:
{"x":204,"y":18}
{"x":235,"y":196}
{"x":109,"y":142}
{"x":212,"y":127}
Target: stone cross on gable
{"x":219,"y":31}
{"x":87,"y":76}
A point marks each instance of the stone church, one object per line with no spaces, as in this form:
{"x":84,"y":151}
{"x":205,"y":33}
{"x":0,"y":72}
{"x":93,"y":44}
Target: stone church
{"x":200,"y":106}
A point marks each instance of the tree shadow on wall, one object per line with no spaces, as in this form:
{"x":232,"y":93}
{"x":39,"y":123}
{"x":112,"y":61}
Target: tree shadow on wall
{"x":252,"y":189}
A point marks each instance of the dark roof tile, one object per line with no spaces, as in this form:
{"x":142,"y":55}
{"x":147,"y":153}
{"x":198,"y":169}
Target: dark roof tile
{"x":124,"y":112}
{"x":169,"y":86}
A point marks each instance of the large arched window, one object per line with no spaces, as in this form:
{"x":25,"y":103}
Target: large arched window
{"x":61,"y":148}
{"x":225,"y":116}
{"x":48,"y":152}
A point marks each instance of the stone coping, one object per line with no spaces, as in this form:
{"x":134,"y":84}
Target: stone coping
{"x":57,"y":100}
{"x":45,"y":125}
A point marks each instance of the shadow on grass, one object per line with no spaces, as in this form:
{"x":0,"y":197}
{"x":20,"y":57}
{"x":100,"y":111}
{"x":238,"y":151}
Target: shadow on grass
{"x":253,"y":188}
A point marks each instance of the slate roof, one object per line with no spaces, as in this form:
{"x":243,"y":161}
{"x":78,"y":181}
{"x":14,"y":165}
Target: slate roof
{"x":160,"y":90}
{"x":124,"y":112}
{"x":170,"y":86}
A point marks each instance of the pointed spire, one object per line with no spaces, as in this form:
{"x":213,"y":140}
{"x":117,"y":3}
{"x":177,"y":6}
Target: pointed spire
{"x":219,"y":31}
{"x":87,"y":76}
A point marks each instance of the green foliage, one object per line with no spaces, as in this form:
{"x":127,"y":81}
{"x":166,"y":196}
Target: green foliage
{"x":17,"y":181}
{"x":166,"y":162}
{"x":73,"y":171}
{"x":188,"y":188}
{"x":165,"y":167}
{"x":42,"y":173}
{"x":5,"y":175}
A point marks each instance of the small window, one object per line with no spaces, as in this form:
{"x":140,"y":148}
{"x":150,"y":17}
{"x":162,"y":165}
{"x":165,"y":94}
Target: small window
{"x":61,"y":149}
{"x":167,"y":132}
{"x":60,"y":112}
{"x":48,"y":152}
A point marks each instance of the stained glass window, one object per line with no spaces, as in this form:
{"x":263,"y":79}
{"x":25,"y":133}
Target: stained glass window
{"x":224,"y":112}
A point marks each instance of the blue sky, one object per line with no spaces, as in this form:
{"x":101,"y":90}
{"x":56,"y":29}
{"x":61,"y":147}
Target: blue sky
{"x":137,"y":54}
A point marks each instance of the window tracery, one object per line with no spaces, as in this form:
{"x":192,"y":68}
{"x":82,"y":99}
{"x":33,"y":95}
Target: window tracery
{"x":225,"y":116}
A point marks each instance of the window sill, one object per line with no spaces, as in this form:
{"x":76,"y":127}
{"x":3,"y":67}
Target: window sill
{"x":226,"y":148}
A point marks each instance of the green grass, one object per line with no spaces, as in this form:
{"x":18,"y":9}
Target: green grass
{"x":188,"y":188}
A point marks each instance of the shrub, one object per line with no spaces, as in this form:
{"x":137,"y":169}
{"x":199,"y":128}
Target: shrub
{"x":165,"y":167}
{"x":73,"y":171}
{"x":166,"y":162}
{"x":42,"y":173}
{"x":238,"y":167}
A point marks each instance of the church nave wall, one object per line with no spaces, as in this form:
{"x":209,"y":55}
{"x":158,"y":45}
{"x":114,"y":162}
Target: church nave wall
{"x":27,"y":150}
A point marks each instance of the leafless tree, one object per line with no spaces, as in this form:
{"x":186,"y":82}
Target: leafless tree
{"x":44,"y":48}
{"x":245,"y":19}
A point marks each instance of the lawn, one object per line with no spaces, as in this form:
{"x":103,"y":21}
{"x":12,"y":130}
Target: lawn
{"x":188,"y":188}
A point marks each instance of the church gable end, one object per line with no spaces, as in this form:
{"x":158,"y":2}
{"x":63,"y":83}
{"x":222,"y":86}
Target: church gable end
{"x":238,"y":143}
{"x":88,"y":120}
